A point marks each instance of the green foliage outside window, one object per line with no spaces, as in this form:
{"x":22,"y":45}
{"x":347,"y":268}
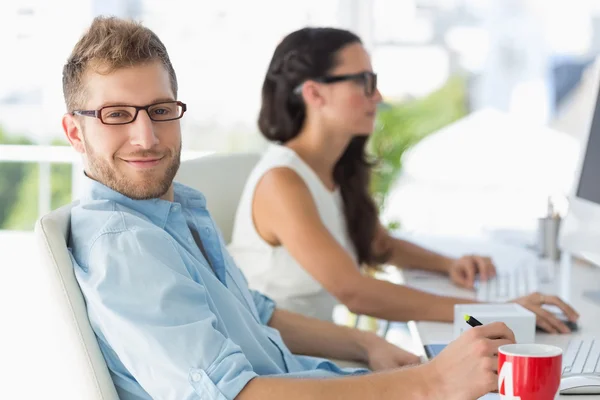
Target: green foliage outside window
{"x":401,"y":126}
{"x":19,"y":187}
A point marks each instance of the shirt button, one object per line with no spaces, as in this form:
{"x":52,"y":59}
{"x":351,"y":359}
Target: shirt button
{"x":175,"y":207}
{"x":190,"y":239}
{"x":207,"y":230}
{"x":196,"y":376}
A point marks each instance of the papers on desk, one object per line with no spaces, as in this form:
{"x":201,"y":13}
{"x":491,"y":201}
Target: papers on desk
{"x":514,"y":237}
{"x":419,"y":274}
{"x":506,"y":257}
{"x":490,"y":396}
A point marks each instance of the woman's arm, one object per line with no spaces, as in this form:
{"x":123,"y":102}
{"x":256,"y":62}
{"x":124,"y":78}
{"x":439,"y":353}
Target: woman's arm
{"x":462,"y":271}
{"x":409,"y":255}
{"x":285,"y":214}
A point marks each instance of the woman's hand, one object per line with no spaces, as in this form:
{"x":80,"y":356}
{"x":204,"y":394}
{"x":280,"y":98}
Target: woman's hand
{"x":464,"y":270}
{"x":544,"y":318}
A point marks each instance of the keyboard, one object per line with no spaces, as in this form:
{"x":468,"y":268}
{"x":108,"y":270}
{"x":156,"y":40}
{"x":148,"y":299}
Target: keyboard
{"x":508,"y":286}
{"x":581,"y":367}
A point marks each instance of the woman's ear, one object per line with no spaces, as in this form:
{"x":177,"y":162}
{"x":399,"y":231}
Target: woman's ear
{"x":312,"y":93}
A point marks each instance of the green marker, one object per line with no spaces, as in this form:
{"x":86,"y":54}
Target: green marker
{"x":472,"y":321}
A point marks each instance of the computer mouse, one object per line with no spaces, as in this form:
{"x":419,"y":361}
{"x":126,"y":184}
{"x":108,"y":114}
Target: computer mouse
{"x":573,"y":327}
{"x":557,"y":312}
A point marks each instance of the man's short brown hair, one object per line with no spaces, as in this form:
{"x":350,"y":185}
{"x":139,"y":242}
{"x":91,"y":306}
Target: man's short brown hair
{"x":110,"y":44}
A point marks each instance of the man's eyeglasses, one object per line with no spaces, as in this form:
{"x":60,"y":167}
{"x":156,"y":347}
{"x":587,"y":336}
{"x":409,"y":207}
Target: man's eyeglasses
{"x":367,"y":79}
{"x":124,"y":114}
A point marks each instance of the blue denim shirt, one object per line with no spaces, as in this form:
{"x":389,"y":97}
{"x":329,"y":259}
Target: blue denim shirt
{"x":171,"y":323}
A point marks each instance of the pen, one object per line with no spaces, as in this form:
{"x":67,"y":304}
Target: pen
{"x":472,"y":321}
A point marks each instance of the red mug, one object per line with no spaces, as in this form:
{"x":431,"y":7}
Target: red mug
{"x":529,"y":371}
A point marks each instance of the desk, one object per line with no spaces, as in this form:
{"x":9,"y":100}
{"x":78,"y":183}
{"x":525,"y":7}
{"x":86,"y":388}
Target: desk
{"x":582,"y":277}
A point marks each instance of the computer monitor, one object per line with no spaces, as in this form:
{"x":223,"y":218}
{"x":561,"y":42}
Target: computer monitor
{"x":580,"y":229}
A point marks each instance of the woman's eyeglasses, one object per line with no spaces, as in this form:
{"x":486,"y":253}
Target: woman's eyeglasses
{"x":367,"y":79}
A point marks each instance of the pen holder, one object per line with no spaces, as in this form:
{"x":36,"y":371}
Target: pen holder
{"x":519,"y":319}
{"x":547,"y":239}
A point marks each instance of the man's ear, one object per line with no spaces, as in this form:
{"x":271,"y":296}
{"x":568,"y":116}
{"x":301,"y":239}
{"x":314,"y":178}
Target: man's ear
{"x":74,"y":132}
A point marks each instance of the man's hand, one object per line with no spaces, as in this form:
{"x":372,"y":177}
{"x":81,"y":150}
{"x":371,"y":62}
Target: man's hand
{"x":544,"y":318}
{"x":383,"y":355}
{"x":462,"y":271}
{"x":468,"y":367}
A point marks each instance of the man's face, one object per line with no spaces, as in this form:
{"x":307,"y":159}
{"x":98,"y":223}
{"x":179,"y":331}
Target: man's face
{"x":139,"y":159}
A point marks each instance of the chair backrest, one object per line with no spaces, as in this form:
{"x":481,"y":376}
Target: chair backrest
{"x":221,"y":178}
{"x":88,"y":371}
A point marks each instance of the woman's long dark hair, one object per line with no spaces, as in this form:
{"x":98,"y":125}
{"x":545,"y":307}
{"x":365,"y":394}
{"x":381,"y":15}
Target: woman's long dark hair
{"x":311,"y":53}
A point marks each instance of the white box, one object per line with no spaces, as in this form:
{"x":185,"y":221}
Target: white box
{"x":519,"y":319}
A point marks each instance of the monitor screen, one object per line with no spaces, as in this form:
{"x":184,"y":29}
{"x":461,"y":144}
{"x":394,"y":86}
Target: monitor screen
{"x":589,"y":179}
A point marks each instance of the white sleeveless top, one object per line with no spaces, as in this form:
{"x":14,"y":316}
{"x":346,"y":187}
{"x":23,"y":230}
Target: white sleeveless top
{"x":272,"y":270}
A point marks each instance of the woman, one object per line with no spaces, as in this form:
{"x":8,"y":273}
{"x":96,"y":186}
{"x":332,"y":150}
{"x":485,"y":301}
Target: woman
{"x":306,"y":221}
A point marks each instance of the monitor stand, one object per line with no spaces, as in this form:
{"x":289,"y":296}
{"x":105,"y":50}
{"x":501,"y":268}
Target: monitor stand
{"x":564,"y":275}
{"x":593,"y":295}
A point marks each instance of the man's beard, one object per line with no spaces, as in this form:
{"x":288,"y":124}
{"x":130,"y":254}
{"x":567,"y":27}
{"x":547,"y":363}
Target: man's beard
{"x":151,"y":187}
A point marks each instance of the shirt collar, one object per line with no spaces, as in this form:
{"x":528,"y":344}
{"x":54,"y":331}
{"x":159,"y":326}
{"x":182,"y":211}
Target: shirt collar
{"x":156,"y":209}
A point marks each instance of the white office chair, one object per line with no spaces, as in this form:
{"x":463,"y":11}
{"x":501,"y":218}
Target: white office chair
{"x":90,"y":378}
{"x":221,"y":178}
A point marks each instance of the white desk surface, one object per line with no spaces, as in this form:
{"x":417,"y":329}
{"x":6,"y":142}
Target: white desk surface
{"x":582,"y":277}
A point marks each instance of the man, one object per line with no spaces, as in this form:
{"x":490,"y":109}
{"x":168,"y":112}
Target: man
{"x":173,"y":315}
